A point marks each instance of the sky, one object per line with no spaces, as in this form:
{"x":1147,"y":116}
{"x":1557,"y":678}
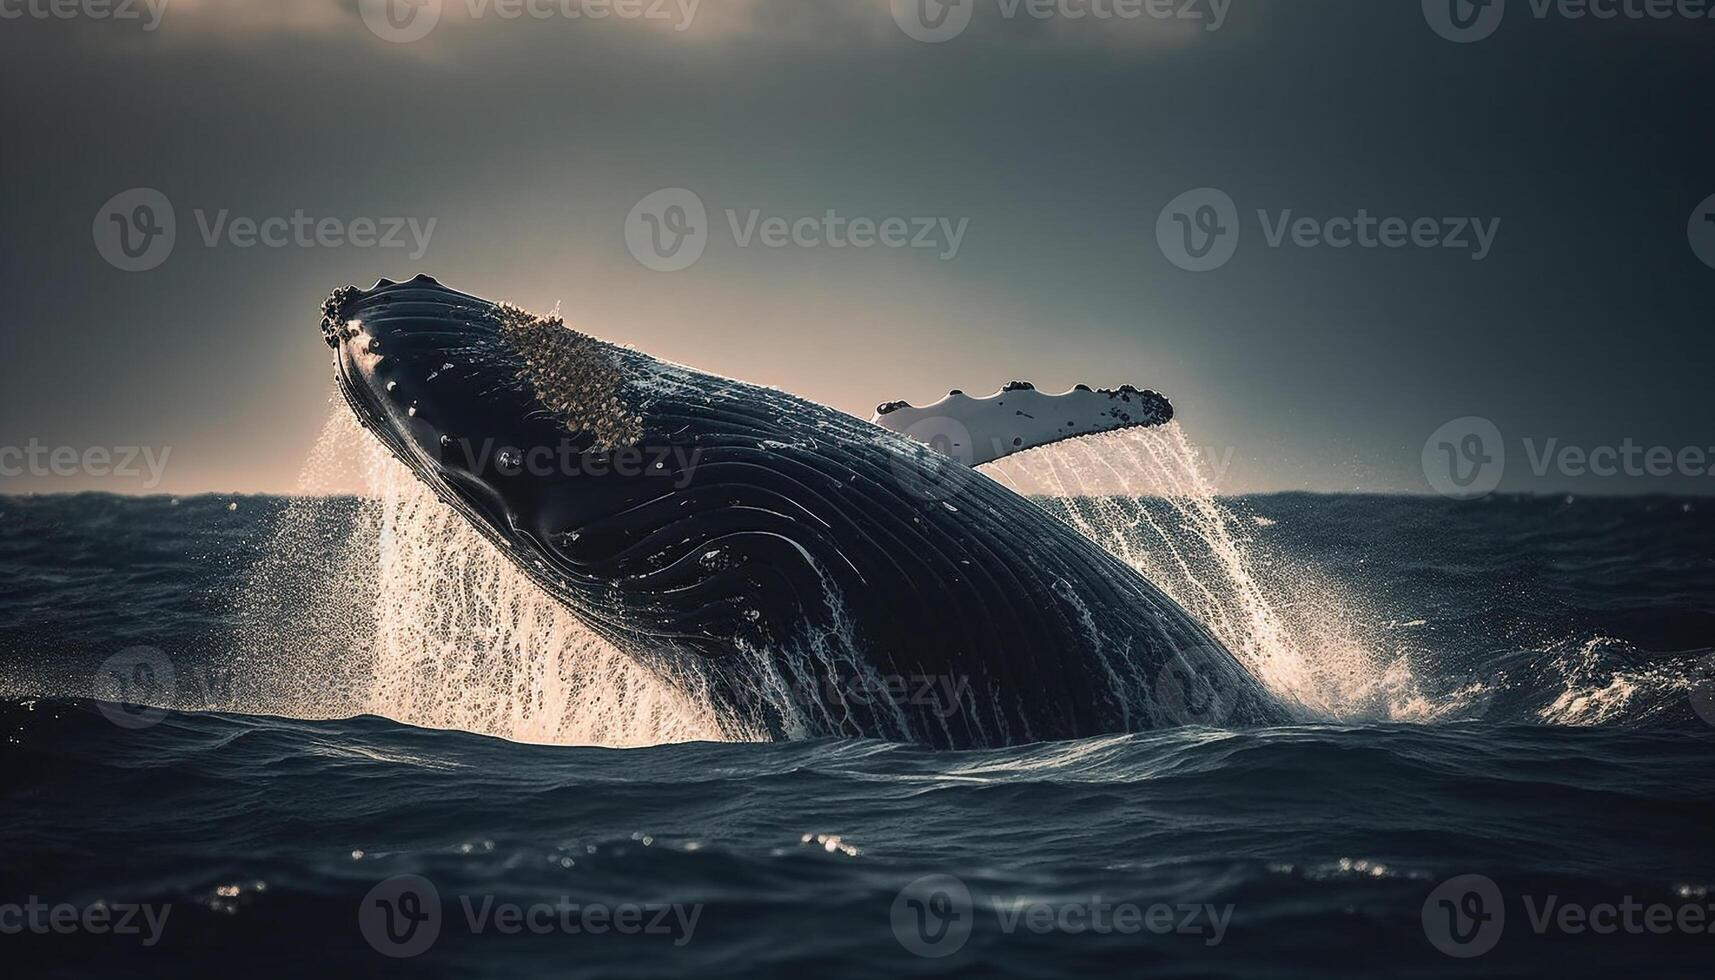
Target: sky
{"x":1346,"y":238}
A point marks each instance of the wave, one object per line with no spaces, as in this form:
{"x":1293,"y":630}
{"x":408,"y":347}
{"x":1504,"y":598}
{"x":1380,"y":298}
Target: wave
{"x":391,"y":605}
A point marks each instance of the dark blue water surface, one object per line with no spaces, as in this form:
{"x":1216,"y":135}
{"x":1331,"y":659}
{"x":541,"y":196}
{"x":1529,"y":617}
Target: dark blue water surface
{"x":1559,"y":824}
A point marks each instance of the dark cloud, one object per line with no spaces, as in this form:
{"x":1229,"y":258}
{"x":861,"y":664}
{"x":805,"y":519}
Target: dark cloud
{"x":1058,"y":141}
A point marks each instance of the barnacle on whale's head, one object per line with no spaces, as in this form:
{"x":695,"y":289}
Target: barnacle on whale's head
{"x":574,"y":376}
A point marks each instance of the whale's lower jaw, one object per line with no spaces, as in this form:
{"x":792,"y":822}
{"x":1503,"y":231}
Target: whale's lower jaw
{"x":809,"y":573}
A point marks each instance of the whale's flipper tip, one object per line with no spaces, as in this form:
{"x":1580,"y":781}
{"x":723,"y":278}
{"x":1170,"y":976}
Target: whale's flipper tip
{"x":1019,"y":417}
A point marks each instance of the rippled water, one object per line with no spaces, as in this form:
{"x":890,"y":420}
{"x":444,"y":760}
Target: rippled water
{"x":1513,"y":689}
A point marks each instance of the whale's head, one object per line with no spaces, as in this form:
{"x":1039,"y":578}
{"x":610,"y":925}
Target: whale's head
{"x":529,"y":428}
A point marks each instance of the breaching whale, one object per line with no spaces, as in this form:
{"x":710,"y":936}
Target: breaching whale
{"x":809,"y":572}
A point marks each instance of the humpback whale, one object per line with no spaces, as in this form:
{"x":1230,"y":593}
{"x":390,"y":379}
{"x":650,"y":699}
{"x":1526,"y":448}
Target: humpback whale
{"x":809,"y":572}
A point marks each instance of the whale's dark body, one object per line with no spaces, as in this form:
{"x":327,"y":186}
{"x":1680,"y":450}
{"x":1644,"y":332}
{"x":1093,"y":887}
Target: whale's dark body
{"x":812,"y":573}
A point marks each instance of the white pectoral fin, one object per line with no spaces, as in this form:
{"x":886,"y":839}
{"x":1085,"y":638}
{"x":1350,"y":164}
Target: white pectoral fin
{"x":1018,"y":417}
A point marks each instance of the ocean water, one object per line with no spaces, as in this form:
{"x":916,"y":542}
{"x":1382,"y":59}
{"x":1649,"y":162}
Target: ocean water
{"x":386,"y":755}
